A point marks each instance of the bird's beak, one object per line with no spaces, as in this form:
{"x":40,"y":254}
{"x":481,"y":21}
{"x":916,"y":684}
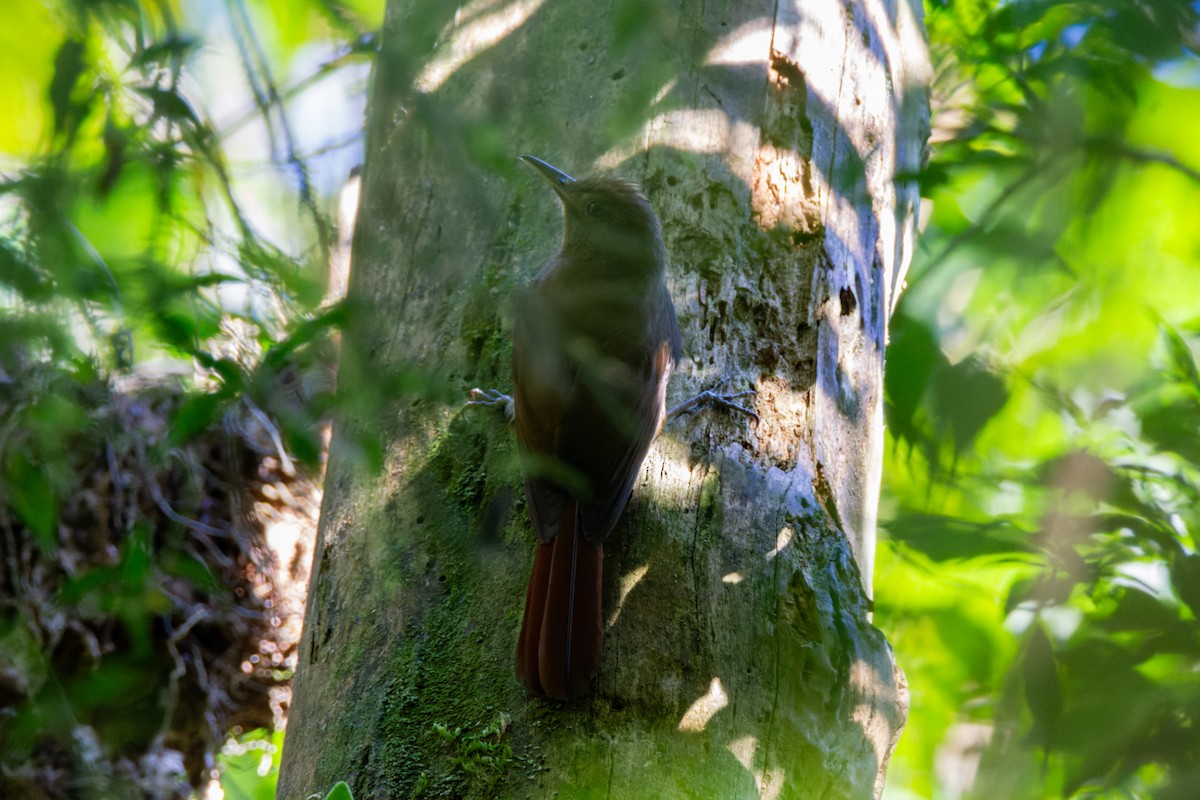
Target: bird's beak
{"x":559,"y":181}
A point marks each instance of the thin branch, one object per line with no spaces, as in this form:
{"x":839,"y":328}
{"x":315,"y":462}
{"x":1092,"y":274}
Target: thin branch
{"x":273,"y":99}
{"x":1130,"y":153}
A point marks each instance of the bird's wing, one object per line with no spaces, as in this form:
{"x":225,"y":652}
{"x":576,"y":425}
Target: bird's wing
{"x":543,"y":385}
{"x":613,"y":456}
{"x":585,"y":415}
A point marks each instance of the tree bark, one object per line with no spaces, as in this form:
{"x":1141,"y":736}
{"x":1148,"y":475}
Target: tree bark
{"x":739,"y":657}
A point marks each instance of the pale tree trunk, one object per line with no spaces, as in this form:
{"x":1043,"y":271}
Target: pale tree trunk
{"x":739,"y":656}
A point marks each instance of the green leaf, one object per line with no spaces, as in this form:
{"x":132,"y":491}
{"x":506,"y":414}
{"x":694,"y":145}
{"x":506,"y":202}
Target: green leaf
{"x":965,"y":397}
{"x":195,"y":416}
{"x":230,"y":372}
{"x":242,"y":774}
{"x":69,"y":65}
{"x":1052,"y":589}
{"x":340,"y":791}
{"x":1174,"y":426}
{"x":1136,"y":610}
{"x":170,"y":48}
{"x":170,"y":104}
{"x":192,"y":570}
{"x":23,"y":275}
{"x":1043,"y":689}
{"x":630,"y":18}
{"x":1180,"y":354}
{"x":33,"y":498}
{"x":1185,"y":575}
{"x":913,"y":356}
{"x":943,"y":538}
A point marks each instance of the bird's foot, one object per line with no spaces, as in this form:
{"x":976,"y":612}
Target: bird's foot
{"x":492,"y":398}
{"x":709,"y":397}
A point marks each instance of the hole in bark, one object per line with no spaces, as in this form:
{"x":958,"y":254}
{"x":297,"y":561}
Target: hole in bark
{"x":616,"y":76}
{"x":802,"y":238}
{"x":849,"y":303}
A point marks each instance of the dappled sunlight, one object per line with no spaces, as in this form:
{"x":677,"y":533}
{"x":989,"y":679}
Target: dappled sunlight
{"x":770,"y":782}
{"x":701,"y":130}
{"x":476,"y":28}
{"x":781,"y":541}
{"x":628,"y":581}
{"x":749,"y":44}
{"x":668,"y":468}
{"x":696,"y":718}
{"x":872,"y":716}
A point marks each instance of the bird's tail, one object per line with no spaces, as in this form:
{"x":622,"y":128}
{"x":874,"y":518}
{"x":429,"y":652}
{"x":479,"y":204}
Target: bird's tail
{"x":558,"y":649}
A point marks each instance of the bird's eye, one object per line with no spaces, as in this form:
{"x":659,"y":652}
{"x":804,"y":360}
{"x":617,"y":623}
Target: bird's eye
{"x":596,"y":209}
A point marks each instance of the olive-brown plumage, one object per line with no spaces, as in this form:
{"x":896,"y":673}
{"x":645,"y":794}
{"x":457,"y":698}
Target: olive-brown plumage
{"x":593,"y":346}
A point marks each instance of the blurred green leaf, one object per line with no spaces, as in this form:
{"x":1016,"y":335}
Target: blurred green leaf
{"x":1058,"y":275}
{"x":1043,"y":690}
{"x":166,"y":49}
{"x":632,"y":18}
{"x":1181,"y":355}
{"x":943,"y":537}
{"x":23,"y":274}
{"x":69,"y":66}
{"x":250,"y":769}
{"x":32,"y":495}
{"x":1174,"y":426}
{"x":1185,"y":575}
{"x":1042,"y":589}
{"x":965,"y":397}
{"x":196,"y":414}
{"x":170,"y":104}
{"x":192,"y":570}
{"x":913,"y":357}
{"x":1135,"y":610}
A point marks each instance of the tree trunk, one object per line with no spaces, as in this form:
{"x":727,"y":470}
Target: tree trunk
{"x":739,"y":657}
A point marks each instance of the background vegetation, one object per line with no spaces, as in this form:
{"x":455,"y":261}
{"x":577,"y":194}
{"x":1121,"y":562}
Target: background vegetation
{"x":165,"y":232}
{"x":1041,"y":583}
{"x":166,"y":205}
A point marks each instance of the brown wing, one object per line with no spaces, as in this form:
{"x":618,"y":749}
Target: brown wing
{"x":587,"y":409}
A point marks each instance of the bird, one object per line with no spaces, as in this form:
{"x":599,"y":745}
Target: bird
{"x":595,"y":337}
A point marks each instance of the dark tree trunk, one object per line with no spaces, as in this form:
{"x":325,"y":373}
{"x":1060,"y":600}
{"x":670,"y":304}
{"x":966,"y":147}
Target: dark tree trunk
{"x":739,"y":657}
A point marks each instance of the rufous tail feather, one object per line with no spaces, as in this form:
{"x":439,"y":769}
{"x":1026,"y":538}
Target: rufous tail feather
{"x":562,"y":633}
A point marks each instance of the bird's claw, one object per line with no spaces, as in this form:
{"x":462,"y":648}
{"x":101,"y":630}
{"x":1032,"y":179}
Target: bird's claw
{"x":709,"y":396}
{"x":491,"y":398}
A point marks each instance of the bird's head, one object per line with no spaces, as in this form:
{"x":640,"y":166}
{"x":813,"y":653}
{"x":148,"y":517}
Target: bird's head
{"x":605,"y":218}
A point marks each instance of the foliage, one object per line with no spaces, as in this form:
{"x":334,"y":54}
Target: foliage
{"x":1041,"y":581}
{"x":250,"y":765}
{"x":162,"y":360}
{"x":340,"y":791}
